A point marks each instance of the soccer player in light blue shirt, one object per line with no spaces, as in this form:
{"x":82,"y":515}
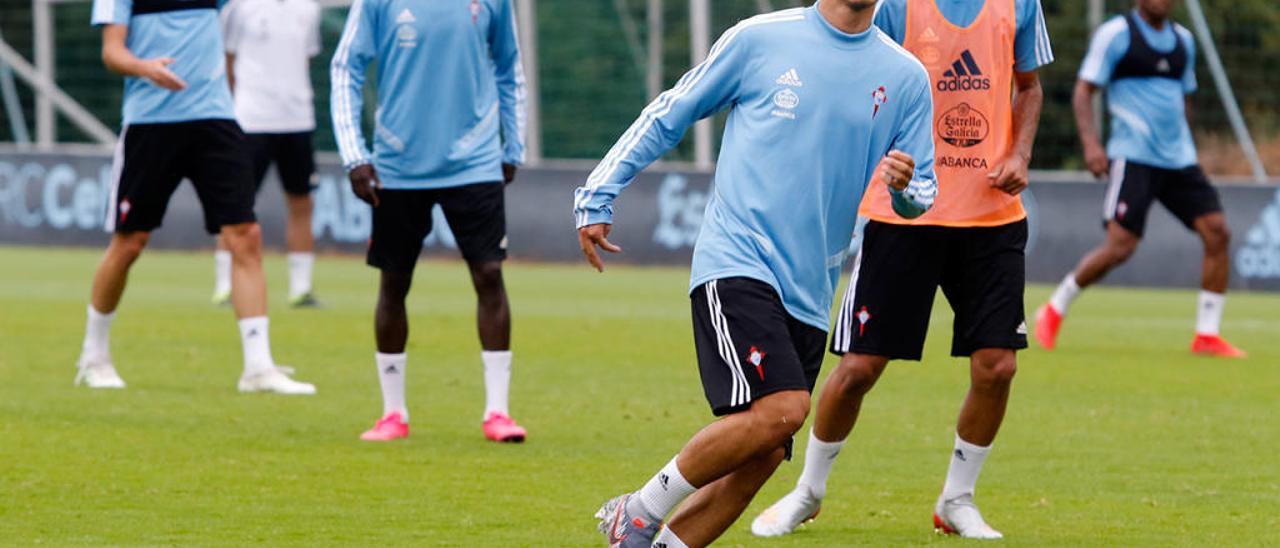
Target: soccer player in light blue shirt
{"x":1146,"y":64}
{"x":449,"y":131}
{"x":821,"y":107}
{"x":178,"y":123}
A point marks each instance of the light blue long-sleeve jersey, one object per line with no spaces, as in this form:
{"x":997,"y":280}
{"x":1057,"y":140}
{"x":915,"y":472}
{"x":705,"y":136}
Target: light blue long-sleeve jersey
{"x":451,"y":91}
{"x":813,"y":111}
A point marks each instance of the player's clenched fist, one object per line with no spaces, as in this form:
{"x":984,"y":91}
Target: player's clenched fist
{"x":896,"y":169}
{"x":592,"y":236}
{"x":365,"y":183}
{"x":1010,"y":175}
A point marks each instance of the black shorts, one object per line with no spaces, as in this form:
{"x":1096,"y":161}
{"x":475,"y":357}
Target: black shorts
{"x":294,"y":157}
{"x":476,"y":214}
{"x":982,"y":271}
{"x":152,"y":159}
{"x":1186,"y":192}
{"x":748,"y":346}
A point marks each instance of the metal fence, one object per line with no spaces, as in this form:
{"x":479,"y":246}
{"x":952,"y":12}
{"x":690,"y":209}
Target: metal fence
{"x":599,"y":61}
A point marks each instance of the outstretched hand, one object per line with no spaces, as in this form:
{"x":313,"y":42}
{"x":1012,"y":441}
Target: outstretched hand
{"x":592,"y":236}
{"x":157,"y":71}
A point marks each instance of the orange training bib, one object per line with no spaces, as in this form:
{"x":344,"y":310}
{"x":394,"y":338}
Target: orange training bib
{"x":971,"y":71}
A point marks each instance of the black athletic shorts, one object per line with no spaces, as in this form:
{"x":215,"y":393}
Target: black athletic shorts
{"x":152,"y":159}
{"x":749,"y":346}
{"x":294,"y":157}
{"x":476,"y":215}
{"x":982,"y":271}
{"x":1186,"y":192}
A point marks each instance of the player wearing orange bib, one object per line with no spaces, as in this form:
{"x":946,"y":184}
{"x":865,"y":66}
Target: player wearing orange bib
{"x":978,"y":54}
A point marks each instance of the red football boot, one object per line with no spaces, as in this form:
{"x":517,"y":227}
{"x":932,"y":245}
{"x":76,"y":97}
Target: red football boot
{"x":1048,"y":321}
{"x":1214,"y":345}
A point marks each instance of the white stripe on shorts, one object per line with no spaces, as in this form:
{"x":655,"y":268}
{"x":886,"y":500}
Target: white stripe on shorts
{"x":117,"y":170}
{"x":1113,"y":189}
{"x":844,"y":322}
{"x":741,"y":391}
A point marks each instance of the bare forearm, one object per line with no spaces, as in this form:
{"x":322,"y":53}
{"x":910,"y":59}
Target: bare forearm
{"x":1027,"y":104}
{"x":1082,"y":103}
{"x":120,"y":60}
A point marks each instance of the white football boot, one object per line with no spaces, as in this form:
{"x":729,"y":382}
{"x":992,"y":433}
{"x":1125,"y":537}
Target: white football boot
{"x":275,"y":379}
{"x":97,"y":372}
{"x":960,"y":516}
{"x":790,"y":512}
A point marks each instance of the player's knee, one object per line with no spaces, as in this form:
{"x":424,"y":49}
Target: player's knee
{"x":995,"y":368}
{"x":243,"y":239}
{"x":1217,"y":237}
{"x":129,"y":246}
{"x":393,"y":288}
{"x":487,"y":277}
{"x":780,"y":415}
{"x":857,"y":374}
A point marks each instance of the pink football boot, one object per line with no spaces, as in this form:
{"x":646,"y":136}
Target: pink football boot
{"x":390,"y":427}
{"x":501,"y":428}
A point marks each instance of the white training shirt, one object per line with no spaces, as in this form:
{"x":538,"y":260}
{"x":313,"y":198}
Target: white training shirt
{"x":273,"y":42}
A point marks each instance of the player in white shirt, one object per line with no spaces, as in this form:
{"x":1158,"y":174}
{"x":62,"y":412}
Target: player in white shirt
{"x":269,"y":46}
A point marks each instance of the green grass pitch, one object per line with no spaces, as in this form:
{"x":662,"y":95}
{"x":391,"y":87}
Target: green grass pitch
{"x":1118,"y":438}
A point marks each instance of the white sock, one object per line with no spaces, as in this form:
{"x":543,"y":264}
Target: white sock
{"x":1209,"y":313}
{"x":818,"y":458}
{"x":668,"y":539}
{"x":1067,"y":292}
{"x":257,"y":344}
{"x":497,"y":380}
{"x":966,"y":464}
{"x":97,"y":333}
{"x":391,"y":377}
{"x":665,"y":491}
{"x":300,"y":264}
{"x":221,"y":271}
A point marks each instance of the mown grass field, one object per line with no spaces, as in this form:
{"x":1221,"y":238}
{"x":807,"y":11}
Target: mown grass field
{"x":1118,"y":438}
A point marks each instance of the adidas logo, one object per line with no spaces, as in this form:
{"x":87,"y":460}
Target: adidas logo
{"x":790,"y":78}
{"x":1022,"y":328}
{"x":405,"y":16}
{"x":1259,"y":257}
{"x":964,"y":75}
{"x":664,"y":479}
{"x":1163,"y":66}
{"x":391,"y":370}
{"x":929,"y":36}
{"x":960,"y":455}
